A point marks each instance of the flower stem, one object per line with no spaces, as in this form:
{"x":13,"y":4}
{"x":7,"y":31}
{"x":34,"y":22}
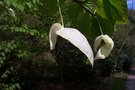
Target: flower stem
{"x":101,"y":30}
{"x":58,"y":4}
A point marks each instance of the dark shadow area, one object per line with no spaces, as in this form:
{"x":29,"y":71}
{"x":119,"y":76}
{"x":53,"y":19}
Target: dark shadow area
{"x":131,"y":71}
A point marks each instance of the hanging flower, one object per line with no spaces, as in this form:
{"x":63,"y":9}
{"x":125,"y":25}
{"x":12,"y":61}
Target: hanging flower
{"x":73,"y":36}
{"x":103,"y":45}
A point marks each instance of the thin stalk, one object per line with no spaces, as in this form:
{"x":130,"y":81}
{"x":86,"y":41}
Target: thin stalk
{"x":58,"y":4}
{"x":123,"y":43}
{"x":101,"y":30}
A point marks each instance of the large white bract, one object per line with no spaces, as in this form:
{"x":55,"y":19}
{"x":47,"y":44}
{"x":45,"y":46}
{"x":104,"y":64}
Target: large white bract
{"x":105,"y":45}
{"x":72,"y":35}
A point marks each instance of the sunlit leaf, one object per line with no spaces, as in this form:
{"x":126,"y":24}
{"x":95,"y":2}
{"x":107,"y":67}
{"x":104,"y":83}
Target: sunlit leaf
{"x":114,"y":10}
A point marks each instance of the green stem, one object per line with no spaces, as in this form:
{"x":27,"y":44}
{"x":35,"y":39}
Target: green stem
{"x":58,"y":3}
{"x":101,"y":30}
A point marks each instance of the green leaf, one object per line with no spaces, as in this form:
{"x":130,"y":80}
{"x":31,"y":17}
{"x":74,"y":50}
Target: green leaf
{"x":2,"y":54}
{"x":79,"y":18}
{"x":113,"y":10}
{"x":83,"y":21}
{"x":108,"y":13}
{"x":7,"y":2}
{"x":90,"y":6}
{"x":106,"y":26}
{"x":50,"y":6}
{"x":19,"y":6}
{"x":16,"y":3}
{"x":29,"y":4}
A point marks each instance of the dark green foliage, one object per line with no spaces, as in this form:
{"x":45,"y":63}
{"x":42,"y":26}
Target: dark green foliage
{"x":22,"y":37}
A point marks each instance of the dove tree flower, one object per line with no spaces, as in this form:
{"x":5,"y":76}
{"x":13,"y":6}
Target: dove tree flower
{"x":72,"y":35}
{"x":103,"y":45}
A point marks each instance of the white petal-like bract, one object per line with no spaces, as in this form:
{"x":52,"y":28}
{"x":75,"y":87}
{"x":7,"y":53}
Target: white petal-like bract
{"x":105,"y":45}
{"x":78,"y":40}
{"x":97,"y":42}
{"x":52,"y":34}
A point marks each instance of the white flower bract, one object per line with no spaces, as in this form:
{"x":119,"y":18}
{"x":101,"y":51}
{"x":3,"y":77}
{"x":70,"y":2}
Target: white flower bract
{"x":11,"y":11}
{"x":72,"y":35}
{"x":52,"y":34}
{"x":105,"y":45}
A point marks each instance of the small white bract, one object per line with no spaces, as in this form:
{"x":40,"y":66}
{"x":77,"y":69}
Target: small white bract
{"x":11,"y":11}
{"x":73,"y":36}
{"x":52,"y":34}
{"x":105,"y":45}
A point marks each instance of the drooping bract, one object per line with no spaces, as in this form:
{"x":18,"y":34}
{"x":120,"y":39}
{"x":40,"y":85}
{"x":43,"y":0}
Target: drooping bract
{"x":103,"y":45}
{"x":72,"y":35}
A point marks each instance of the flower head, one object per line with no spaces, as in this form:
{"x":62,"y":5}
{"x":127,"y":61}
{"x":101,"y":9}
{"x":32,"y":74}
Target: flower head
{"x":72,"y":35}
{"x":103,"y":45}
